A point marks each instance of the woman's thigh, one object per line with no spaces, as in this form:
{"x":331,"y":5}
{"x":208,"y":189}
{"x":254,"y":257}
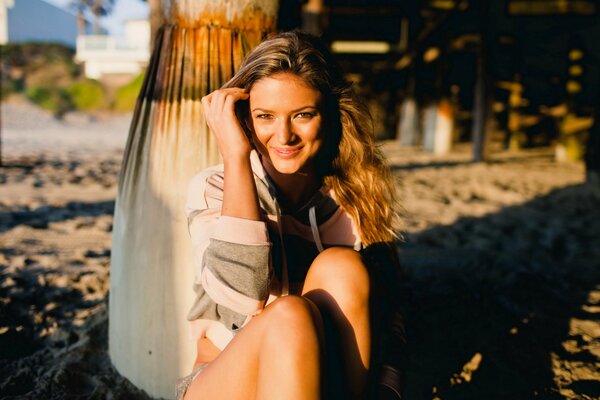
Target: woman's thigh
{"x":338,"y":283}
{"x":234,"y":374}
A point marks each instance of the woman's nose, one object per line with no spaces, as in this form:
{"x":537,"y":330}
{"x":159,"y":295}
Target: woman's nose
{"x":284,"y":132}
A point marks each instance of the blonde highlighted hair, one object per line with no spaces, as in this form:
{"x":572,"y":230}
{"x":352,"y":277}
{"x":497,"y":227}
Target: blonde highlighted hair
{"x":349,"y":163}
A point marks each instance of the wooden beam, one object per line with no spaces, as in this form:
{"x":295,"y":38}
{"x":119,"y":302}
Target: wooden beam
{"x":368,"y":11}
{"x":482,"y":99}
{"x":592,"y":151}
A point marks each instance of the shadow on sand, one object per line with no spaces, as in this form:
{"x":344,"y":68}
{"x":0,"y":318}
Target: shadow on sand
{"x":446,"y":164}
{"x":491,"y":300}
{"x":40,"y":217}
{"x":53,"y":343}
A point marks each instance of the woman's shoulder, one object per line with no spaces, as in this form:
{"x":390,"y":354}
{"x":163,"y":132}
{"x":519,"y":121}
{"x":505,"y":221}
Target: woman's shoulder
{"x":208,"y":175}
{"x":205,"y":189}
{"x":340,"y":227}
{"x":214,"y":176}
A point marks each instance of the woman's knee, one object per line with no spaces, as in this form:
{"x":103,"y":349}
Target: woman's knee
{"x":293,"y":317}
{"x":342,"y":273}
{"x":340,"y":266}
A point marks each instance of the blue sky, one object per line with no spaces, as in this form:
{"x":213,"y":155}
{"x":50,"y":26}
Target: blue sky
{"x":123,"y":9}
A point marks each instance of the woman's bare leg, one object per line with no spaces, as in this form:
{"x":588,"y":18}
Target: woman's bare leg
{"x":338,"y":283}
{"x":275,"y":356}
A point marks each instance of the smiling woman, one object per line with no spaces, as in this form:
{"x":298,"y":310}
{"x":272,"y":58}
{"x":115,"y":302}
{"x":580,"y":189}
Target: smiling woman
{"x":279,"y":229}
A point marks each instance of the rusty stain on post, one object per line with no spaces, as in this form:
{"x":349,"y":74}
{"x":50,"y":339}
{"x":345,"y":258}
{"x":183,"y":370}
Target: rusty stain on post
{"x":257,"y":15}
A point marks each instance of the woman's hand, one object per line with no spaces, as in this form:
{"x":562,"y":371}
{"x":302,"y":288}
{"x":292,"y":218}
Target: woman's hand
{"x":219,"y":113}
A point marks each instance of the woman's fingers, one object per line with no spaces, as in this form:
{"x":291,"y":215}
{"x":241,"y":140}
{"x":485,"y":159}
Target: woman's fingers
{"x":231,"y":99}
{"x":221,"y":103}
{"x":219,"y":114}
{"x":219,"y":99}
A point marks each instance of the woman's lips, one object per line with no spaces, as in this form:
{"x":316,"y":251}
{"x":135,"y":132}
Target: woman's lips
{"x":286,"y":152}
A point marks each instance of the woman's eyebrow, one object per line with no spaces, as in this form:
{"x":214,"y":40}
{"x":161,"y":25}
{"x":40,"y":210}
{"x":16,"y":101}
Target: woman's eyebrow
{"x":293,"y":111}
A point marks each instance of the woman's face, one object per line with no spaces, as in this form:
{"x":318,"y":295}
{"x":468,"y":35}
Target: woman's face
{"x":287,"y":123}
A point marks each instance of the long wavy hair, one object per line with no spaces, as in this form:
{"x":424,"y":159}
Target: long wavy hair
{"x":349,"y":163}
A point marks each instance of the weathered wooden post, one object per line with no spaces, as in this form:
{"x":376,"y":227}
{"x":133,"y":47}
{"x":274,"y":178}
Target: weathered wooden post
{"x":408,"y":131}
{"x":573,"y":129}
{"x":313,"y":17}
{"x":516,"y":137}
{"x":438,"y":127}
{"x":592,"y":151}
{"x":196,"y":51}
{"x":481,"y":107}
{"x":483,"y":96}
{"x":408,"y":126}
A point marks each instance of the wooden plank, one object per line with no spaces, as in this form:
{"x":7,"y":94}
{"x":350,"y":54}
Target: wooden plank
{"x":551,"y":7}
{"x":481,"y":108}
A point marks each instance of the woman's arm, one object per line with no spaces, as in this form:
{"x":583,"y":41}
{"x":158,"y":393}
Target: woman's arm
{"x":235,"y":270}
{"x":231,"y":253}
{"x":229,"y":237}
{"x":239,"y":193}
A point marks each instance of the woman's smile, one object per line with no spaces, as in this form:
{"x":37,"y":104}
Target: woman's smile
{"x":286,"y":152}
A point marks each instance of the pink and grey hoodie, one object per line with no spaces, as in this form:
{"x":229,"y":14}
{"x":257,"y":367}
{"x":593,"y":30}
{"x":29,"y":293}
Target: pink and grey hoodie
{"x":243,"y":265}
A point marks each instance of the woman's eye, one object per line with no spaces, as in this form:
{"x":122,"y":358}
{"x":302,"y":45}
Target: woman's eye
{"x":263,"y":116}
{"x":305,"y":115}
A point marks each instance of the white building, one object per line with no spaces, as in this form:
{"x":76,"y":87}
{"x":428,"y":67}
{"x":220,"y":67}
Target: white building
{"x":106,"y":55}
{"x":36,"y":21}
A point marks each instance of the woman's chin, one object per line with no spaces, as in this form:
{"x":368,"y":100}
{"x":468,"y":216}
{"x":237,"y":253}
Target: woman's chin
{"x":296,"y":165}
{"x":285,"y":166}
{"x":286,"y":169}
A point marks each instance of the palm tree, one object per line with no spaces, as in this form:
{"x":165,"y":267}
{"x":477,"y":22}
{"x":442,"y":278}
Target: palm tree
{"x":98,"y":8}
{"x":196,"y":51}
{"x":79,"y":6}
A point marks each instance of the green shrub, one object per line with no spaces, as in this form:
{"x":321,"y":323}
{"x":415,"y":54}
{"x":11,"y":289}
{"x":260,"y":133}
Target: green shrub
{"x":31,"y":66}
{"x":126,"y":96}
{"x":33,"y":55}
{"x":10,"y":86}
{"x":56,"y":100}
{"x":53,"y":74}
{"x":87,"y":95}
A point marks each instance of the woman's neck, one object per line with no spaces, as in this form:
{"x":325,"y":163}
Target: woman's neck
{"x":294,"y":190}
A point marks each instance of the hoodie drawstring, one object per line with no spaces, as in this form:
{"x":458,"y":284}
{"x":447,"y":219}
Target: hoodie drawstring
{"x":315,"y":228}
{"x":285,"y":290}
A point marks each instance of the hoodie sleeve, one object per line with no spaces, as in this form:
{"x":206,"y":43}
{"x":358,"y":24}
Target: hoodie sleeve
{"x":231,"y":254}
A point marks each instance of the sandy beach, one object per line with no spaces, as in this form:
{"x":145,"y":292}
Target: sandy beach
{"x":502,"y":260}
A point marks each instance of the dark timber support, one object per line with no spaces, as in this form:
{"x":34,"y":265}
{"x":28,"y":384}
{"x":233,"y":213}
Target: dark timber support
{"x":592,"y":153}
{"x":482,"y":101}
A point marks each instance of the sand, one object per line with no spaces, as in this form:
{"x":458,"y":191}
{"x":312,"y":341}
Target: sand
{"x":502,"y":293}
{"x":57,"y":191}
{"x":502,"y":260}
